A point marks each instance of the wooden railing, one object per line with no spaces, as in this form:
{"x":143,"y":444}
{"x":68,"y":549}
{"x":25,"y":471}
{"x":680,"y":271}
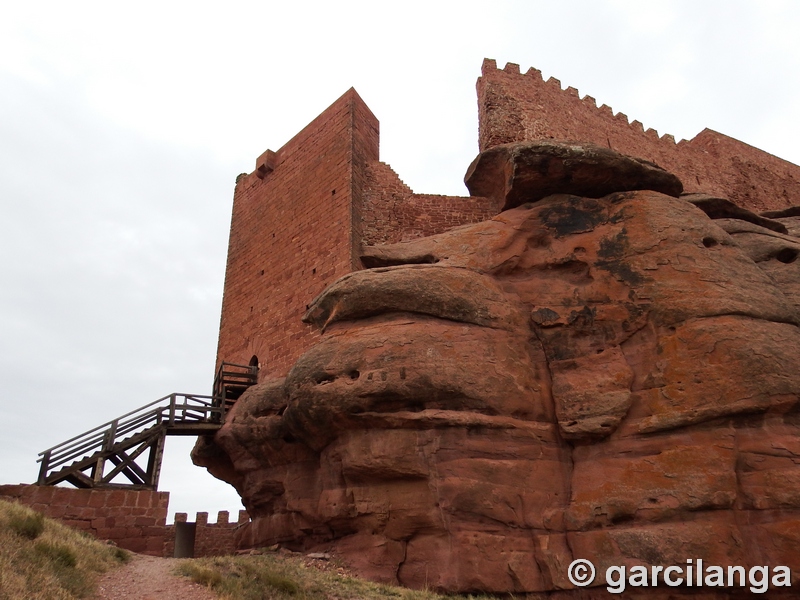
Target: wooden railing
{"x":231,"y":380}
{"x":176,"y":414}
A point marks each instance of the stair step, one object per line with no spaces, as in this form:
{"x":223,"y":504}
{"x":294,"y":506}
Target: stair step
{"x":190,"y":415}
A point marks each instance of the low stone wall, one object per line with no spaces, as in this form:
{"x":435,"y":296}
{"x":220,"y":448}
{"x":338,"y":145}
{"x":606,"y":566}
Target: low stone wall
{"x":210,"y":539}
{"x":133,"y":519}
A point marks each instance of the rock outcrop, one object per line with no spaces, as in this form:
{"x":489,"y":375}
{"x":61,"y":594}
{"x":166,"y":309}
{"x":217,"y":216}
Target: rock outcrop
{"x":512,"y":174}
{"x":614,"y":378}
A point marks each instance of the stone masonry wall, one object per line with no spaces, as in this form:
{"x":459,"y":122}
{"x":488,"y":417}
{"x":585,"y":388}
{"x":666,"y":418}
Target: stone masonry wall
{"x":394,"y":213}
{"x":299,"y":222}
{"x":211,"y":539}
{"x":516,"y":107}
{"x":292,"y":235}
{"x":133,"y":519}
{"x":302,"y":216}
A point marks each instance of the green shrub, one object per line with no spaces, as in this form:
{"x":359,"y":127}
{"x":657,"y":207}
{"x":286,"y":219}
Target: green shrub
{"x":121,"y":555}
{"x":61,"y":556}
{"x":26,"y":525}
{"x":280,"y":583}
{"x":202,"y":575}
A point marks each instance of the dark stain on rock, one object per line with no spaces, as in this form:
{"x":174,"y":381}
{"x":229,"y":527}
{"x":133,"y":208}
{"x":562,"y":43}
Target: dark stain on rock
{"x":574,"y":215}
{"x":611,"y":251}
{"x":614,"y":248}
{"x":622,"y":271}
{"x":545,"y":317}
{"x":583,"y":318}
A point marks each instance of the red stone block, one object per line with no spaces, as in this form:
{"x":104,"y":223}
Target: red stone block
{"x":134,"y":544}
{"x":154,"y":547}
{"x":124,"y":521}
{"x":65,"y":497}
{"x":40,"y":493}
{"x":115,"y":498}
{"x":86,"y":513}
{"x":77,"y":524}
{"x":116,"y":533}
{"x":56,"y":512}
{"x":97,"y":498}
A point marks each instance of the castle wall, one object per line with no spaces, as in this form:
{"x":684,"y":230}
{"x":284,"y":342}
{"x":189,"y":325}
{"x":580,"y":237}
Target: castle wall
{"x":299,"y":222}
{"x":211,"y":539}
{"x":301,"y":217}
{"x":133,"y":519}
{"x":292,"y":234}
{"x":515,"y":107}
{"x":394,"y":213}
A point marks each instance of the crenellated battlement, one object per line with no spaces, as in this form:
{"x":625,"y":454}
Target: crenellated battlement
{"x":184,"y":539}
{"x":532,"y":82}
{"x":515,"y":107}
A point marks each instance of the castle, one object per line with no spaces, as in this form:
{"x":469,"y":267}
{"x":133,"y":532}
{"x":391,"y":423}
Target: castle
{"x":301,"y":218}
{"x":545,"y":392}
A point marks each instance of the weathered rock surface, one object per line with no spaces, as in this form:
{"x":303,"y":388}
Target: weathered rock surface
{"x":615,"y":379}
{"x":721,"y":208}
{"x":512,"y":174}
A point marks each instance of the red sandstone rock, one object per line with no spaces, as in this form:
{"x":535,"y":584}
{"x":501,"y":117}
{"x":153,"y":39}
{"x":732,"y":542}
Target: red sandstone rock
{"x":615,"y":379}
{"x":512,"y":174}
{"x":720,"y":208}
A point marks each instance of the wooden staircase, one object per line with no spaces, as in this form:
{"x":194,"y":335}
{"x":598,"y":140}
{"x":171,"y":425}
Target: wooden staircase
{"x":127,"y":451}
{"x":231,"y":382}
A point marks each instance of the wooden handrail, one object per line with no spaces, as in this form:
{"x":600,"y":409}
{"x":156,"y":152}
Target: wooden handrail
{"x":104,"y":425}
{"x":108,"y":433}
{"x":244,"y":375}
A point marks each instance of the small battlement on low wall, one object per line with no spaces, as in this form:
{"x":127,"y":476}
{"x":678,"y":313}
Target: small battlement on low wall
{"x":135,"y":520}
{"x":206,"y":539}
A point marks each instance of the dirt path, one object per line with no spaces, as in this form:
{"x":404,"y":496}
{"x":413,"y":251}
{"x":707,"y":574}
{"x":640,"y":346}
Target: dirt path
{"x":149,"y":578}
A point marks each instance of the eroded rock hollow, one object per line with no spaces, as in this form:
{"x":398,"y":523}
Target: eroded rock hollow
{"x":613,"y":378}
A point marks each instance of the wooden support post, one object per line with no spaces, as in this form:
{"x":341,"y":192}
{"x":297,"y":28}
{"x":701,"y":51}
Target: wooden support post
{"x":127,"y":460}
{"x":132,"y":471}
{"x":154,"y":460}
{"x":108,"y":444}
{"x":172,"y":410}
{"x":44,"y":468}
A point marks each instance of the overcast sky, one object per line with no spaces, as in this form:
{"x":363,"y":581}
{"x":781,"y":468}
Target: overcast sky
{"x":123,"y":127}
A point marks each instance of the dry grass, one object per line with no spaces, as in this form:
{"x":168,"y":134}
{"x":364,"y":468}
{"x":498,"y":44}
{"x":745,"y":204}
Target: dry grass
{"x":41,"y":559}
{"x":273,"y":576}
